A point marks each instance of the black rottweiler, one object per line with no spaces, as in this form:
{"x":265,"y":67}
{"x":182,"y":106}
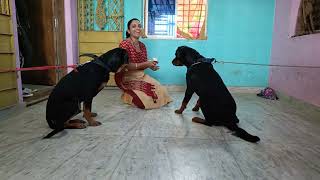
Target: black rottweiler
{"x":216,"y":102}
{"x":81,"y":85}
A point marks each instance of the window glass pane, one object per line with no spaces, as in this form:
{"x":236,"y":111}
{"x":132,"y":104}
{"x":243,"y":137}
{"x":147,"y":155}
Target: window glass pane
{"x":161,"y":17}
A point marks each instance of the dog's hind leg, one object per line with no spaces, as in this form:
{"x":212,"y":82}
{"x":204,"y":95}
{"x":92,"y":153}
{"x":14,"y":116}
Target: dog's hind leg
{"x":76,"y":121}
{"x":205,"y":122}
{"x":58,"y":112}
{"x":75,"y":124}
{"x":211,"y":118}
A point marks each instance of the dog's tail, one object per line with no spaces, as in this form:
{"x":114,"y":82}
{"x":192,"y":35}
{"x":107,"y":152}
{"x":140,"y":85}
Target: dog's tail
{"x":93,"y":56}
{"x":241,"y":133}
{"x":52,"y":133}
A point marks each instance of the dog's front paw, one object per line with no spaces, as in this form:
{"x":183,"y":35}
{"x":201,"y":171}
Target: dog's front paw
{"x":92,"y":114}
{"x":94,"y":123}
{"x":178,"y":111}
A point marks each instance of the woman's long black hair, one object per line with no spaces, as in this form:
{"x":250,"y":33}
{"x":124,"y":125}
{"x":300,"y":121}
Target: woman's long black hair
{"x":128,"y":26}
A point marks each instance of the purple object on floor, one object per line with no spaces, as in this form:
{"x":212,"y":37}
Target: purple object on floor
{"x":268,"y":93}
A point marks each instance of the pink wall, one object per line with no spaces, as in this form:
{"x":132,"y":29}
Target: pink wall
{"x":301,"y":83}
{"x":71,"y":24}
{"x":16,"y":47}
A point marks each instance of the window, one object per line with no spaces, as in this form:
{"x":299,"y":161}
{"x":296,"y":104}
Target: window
{"x":308,"y":21}
{"x":176,"y":19}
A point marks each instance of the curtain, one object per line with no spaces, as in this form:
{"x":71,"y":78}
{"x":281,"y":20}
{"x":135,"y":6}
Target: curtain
{"x":191,"y":18}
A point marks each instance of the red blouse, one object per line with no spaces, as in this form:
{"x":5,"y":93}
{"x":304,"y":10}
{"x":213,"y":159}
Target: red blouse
{"x":134,"y":55}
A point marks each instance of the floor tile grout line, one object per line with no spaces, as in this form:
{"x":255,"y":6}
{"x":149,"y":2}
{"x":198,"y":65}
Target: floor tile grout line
{"x":172,"y":137}
{"x":164,"y":137}
{"x":235,"y":159}
{"x":20,"y":142}
{"x":125,"y":149}
{"x":121,"y":157}
{"x":69,"y":159}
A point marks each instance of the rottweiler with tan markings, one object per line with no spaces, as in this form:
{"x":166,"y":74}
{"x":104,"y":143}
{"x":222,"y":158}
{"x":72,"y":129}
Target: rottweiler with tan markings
{"x":215,"y":100}
{"x":81,"y":85}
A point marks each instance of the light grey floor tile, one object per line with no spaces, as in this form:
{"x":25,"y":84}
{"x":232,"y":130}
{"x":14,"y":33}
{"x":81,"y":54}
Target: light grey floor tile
{"x":74,"y":157}
{"x":159,"y":144}
{"x":277,"y":161}
{"x":164,"y":123}
{"x":175,"y":158}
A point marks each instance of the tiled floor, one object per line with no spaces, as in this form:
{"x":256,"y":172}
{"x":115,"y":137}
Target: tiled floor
{"x":159,"y":144}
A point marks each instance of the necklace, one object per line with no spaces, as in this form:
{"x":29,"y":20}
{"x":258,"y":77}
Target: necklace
{"x":134,"y":42}
{"x":135,"y":45}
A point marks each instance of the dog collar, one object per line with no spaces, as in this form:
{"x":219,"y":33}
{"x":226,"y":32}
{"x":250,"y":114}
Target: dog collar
{"x":195,"y":63}
{"x":204,"y":60}
{"x":207,"y":60}
{"x":100,"y":63}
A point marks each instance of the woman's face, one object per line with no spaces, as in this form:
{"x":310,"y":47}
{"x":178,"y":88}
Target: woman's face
{"x":135,"y":29}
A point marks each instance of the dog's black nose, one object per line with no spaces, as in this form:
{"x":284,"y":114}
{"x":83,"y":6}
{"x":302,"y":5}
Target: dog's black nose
{"x":174,"y":61}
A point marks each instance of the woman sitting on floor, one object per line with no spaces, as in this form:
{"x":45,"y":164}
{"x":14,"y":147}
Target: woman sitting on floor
{"x":139,"y":89}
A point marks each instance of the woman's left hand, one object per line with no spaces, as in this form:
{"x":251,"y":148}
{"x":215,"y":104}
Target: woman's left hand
{"x":154,"y":66}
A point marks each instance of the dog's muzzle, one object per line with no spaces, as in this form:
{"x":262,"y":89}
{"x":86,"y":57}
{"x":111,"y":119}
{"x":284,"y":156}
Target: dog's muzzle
{"x":176,"y":62}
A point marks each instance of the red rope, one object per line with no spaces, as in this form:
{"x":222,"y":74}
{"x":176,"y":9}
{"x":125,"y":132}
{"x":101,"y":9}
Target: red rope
{"x":38,"y":68}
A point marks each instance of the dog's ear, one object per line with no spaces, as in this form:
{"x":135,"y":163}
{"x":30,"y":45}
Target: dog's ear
{"x":179,"y":51}
{"x":122,"y":58}
{"x":187,"y":55}
{"x":125,"y":57}
{"x":115,"y":58}
{"x":183,"y":56}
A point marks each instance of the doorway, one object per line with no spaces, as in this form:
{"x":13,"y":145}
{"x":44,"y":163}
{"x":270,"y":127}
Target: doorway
{"x":41,"y":35}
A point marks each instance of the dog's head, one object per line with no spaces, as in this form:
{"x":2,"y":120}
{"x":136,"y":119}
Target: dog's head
{"x":186,"y":56}
{"x":115,"y":58}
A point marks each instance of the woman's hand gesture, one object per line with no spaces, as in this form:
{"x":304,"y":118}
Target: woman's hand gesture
{"x":153,"y":65}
